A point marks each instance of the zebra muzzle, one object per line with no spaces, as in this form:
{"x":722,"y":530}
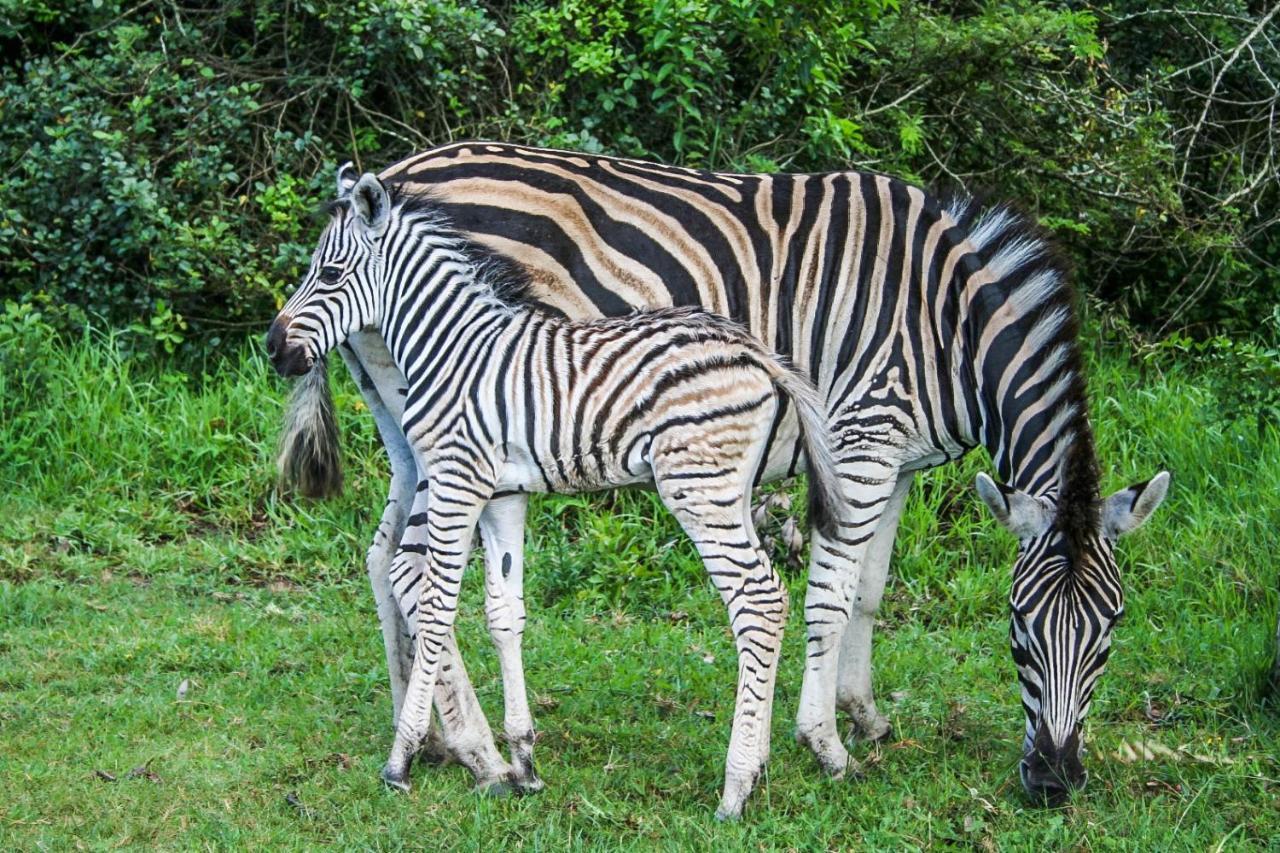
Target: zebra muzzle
{"x":288,"y":359}
{"x":1050,"y":772}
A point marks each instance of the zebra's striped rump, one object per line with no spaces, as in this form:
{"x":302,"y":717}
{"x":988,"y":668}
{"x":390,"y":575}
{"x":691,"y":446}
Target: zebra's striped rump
{"x":503,"y":399}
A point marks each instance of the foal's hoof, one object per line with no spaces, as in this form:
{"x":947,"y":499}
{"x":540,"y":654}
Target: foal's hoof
{"x":832,"y":757}
{"x":396,"y":781}
{"x":524,"y":777}
{"x":728,"y":816}
{"x":873,"y":730}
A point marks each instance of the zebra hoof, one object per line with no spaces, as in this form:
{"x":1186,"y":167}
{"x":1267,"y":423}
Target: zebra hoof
{"x":396,"y":781}
{"x":730,"y":809}
{"x":832,"y":757}
{"x":872,"y":732}
{"x":868,"y":723}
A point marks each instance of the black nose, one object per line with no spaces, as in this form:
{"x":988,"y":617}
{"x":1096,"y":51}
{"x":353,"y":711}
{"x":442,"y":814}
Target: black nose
{"x":1050,"y":772}
{"x":275,"y":337}
{"x":287,"y":360}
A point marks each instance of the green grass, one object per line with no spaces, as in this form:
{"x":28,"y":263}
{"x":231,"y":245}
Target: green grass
{"x":142,"y":545}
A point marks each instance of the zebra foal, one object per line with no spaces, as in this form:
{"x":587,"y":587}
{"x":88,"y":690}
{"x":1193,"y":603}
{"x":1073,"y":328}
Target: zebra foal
{"x":503,"y":399}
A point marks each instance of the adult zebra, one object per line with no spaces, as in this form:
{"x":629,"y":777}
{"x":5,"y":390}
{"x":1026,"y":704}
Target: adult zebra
{"x":931,"y":329}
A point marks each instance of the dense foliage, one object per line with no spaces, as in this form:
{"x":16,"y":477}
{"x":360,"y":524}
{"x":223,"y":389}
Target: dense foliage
{"x":163,"y":160}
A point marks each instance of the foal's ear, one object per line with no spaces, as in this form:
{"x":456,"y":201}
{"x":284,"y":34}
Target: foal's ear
{"x":1128,"y":508}
{"x":347,"y":177}
{"x":371,"y":203}
{"x":1025,"y":516}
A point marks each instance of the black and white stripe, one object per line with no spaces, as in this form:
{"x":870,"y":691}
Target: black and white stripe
{"x":503,"y":399}
{"x":930,"y":328}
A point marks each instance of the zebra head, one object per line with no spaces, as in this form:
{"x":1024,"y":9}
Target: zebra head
{"x":341,"y":292}
{"x":1065,"y":600}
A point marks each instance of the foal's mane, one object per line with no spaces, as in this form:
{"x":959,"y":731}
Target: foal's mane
{"x":508,"y":282}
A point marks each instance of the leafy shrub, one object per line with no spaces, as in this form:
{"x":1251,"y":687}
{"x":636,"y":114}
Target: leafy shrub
{"x":1243,"y":373}
{"x":164,"y":160}
{"x":25,"y":357}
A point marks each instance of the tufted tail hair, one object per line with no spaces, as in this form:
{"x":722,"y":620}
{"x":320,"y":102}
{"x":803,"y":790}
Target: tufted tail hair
{"x":310,"y":458}
{"x":825,"y":498}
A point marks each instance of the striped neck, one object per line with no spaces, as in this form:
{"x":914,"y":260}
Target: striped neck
{"x":1035,"y":423}
{"x":443,"y":310}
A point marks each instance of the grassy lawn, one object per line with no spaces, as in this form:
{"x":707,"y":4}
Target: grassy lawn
{"x":142,"y":548}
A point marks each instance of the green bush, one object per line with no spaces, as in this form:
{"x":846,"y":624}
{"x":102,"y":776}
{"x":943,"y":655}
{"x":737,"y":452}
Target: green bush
{"x":1243,"y":373}
{"x":165,"y":160}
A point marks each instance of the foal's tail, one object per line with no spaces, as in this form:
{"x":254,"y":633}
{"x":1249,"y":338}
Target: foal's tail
{"x":310,"y":459}
{"x":825,"y":498}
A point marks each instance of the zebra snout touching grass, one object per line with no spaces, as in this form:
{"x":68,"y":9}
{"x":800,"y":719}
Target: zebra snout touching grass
{"x":1066,"y":594}
{"x":503,"y":399}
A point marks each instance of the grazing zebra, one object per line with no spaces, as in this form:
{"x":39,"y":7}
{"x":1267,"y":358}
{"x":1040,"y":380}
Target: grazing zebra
{"x":931,"y":328}
{"x":504,"y":399}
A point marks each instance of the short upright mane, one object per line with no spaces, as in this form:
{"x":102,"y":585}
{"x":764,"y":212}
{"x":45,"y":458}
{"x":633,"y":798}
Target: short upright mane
{"x":508,"y":281}
{"x":1032,"y":278}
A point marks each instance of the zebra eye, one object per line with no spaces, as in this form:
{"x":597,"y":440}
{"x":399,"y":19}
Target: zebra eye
{"x":330,"y":275}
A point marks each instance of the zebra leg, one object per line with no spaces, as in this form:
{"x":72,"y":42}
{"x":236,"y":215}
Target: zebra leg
{"x":378,"y":378}
{"x":465,"y":733}
{"x":462,"y":720}
{"x":757,"y":603}
{"x":853,"y":690}
{"x":396,"y":639}
{"x":502,"y":531}
{"x":835,"y":563}
{"x":438,"y":540}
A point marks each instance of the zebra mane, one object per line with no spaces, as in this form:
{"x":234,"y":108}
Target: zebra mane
{"x":1033,"y":275}
{"x":506,"y":280}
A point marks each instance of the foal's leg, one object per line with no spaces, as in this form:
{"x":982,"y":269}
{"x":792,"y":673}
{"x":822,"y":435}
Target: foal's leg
{"x":464,"y":729}
{"x":502,"y":530}
{"x":853,"y":691}
{"x":757,"y":603}
{"x":462,"y":719}
{"x":438,"y":540}
{"x":714,"y":509}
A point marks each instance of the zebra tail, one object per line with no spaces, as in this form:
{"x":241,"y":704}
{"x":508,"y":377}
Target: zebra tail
{"x":310,"y":459}
{"x":825,"y":498}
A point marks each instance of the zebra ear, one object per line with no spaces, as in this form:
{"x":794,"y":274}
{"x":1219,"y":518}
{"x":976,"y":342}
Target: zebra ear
{"x":1128,"y":508}
{"x":1025,"y":516}
{"x":371,"y":203}
{"x":347,"y":177}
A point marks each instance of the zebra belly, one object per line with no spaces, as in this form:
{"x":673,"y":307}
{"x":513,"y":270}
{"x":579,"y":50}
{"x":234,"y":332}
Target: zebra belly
{"x":523,"y":472}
